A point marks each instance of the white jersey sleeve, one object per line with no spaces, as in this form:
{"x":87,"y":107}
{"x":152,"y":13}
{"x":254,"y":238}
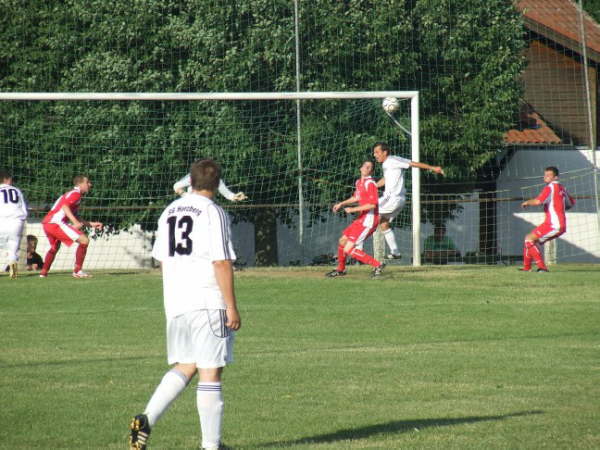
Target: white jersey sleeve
{"x":13,"y":205}
{"x":185,"y":183}
{"x":221,"y":247}
{"x":225,"y":192}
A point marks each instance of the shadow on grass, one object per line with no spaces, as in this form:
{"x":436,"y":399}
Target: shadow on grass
{"x":400,"y":426}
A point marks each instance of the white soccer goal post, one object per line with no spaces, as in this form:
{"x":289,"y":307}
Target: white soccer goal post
{"x":411,"y":128}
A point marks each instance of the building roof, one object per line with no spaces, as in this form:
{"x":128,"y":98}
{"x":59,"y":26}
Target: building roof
{"x":532,"y":130}
{"x":558,"y":20}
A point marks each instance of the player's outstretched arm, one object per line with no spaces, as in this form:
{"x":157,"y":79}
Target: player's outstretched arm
{"x":229,"y":195}
{"x":361,"y":208}
{"x":531,"y":202}
{"x":343,"y":203}
{"x":434,"y":169}
{"x":182,"y":184}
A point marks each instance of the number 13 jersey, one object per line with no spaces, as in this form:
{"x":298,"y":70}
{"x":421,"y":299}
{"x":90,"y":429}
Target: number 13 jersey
{"x":193,"y":232}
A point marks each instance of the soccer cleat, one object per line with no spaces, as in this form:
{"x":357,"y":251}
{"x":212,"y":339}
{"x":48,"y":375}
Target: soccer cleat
{"x":521,"y":269}
{"x":140,"y":430}
{"x":393,"y":256}
{"x":81,"y":274}
{"x":543,"y":270}
{"x":335,"y":273}
{"x":378,"y":271}
{"x":12,"y":271}
{"x":43,"y":275}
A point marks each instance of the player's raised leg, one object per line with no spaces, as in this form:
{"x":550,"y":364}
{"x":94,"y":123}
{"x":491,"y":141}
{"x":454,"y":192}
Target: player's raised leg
{"x":171,"y":385}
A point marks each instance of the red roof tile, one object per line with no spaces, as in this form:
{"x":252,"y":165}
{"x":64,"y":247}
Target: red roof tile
{"x":533,"y":130}
{"x":560,"y":19}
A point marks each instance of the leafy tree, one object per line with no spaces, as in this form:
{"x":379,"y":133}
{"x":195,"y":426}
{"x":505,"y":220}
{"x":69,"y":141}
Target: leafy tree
{"x":465,"y":58}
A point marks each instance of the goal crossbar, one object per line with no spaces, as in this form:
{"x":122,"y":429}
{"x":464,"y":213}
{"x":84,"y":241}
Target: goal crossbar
{"x":186,"y":96}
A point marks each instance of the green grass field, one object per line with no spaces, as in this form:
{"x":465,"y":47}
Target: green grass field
{"x":457,"y":357}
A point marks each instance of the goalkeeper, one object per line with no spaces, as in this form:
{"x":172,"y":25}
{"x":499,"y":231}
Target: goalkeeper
{"x":183,"y":186}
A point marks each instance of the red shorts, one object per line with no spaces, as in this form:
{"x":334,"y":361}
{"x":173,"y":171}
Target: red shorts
{"x":546,"y":232}
{"x":62,"y":232}
{"x":357,"y":232}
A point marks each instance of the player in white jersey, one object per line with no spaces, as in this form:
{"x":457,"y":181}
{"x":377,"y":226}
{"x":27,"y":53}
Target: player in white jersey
{"x":183,"y":186}
{"x":394,"y":196}
{"x":13,"y":214}
{"x":193,"y":244}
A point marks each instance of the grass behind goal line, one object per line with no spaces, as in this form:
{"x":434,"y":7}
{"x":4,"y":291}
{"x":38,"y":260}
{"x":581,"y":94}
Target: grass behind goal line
{"x":452,"y":357}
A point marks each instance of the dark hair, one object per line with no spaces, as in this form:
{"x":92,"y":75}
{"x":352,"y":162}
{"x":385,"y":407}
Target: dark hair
{"x":32,"y":238}
{"x":205,"y":175}
{"x":552,"y":169}
{"x":79,"y":179}
{"x":4,"y":175}
{"x":385,"y":148}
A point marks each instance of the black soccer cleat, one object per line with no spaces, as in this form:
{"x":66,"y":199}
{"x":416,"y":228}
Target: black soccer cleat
{"x":378,"y":271}
{"x":140,"y":430}
{"x":393,"y":256}
{"x":335,"y":273}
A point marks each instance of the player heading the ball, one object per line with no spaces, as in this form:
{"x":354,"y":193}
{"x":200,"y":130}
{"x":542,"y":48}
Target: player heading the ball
{"x":556,"y":201}
{"x":363,"y":226}
{"x":182,"y":186}
{"x":57,"y":228}
{"x":394,"y":196}
{"x":193,"y":244}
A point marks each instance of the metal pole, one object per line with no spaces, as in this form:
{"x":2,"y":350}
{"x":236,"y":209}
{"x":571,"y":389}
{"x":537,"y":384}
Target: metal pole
{"x":298,"y":133}
{"x":416,"y":181}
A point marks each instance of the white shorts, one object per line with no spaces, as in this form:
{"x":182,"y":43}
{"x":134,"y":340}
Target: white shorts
{"x":200,"y":337}
{"x":10,"y":239}
{"x":390,"y":208}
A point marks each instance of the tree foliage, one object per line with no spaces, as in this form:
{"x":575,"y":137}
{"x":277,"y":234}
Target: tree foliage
{"x":465,"y":58}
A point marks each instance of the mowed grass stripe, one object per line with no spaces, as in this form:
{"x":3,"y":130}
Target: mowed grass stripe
{"x":453,"y":357}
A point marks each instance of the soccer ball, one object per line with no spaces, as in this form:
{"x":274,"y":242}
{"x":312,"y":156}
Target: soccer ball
{"x":390,"y":104}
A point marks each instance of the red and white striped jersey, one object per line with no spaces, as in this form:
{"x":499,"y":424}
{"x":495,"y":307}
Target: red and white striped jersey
{"x":556,"y":201}
{"x":366,"y":194}
{"x":56,"y":214}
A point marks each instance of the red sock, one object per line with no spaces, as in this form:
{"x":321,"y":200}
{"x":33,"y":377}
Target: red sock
{"x":79,"y":257}
{"x":341,"y":259}
{"x":526,"y":257}
{"x":361,"y":256}
{"x":534,"y":252}
{"x":49,"y":258}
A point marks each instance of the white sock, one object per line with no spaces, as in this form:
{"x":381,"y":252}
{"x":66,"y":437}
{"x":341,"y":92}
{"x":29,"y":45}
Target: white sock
{"x":391,"y":241}
{"x":172,"y":384}
{"x":209,"y":400}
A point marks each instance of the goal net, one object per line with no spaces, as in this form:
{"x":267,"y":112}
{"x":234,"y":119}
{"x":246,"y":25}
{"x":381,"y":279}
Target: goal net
{"x":293,"y":154}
